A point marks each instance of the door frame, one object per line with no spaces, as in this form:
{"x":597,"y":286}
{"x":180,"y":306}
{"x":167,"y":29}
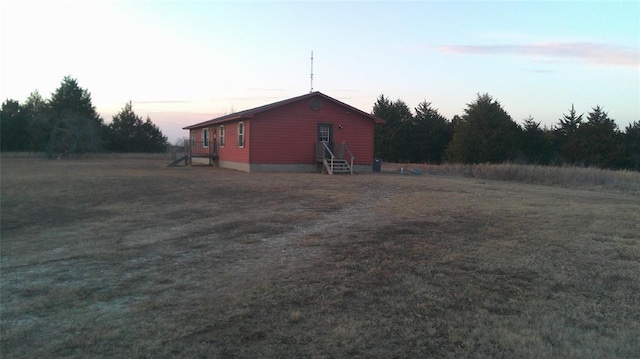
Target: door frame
{"x":330,"y":142}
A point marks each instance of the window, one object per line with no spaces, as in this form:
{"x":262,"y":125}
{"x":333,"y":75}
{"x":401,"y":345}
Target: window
{"x":221,"y":136}
{"x":205,"y":137}
{"x":240,"y":134}
{"x":324,"y":134}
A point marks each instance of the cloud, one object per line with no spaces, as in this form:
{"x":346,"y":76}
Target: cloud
{"x":593,"y":53}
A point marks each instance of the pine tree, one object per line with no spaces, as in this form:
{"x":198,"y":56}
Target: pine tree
{"x":128,"y":133}
{"x":536,"y":146}
{"x":568,"y":142}
{"x":37,"y":114}
{"x":154,"y":140}
{"x":486,"y":133}
{"x":391,"y":138}
{"x":76,"y":127}
{"x":632,"y":145}
{"x":431,"y":133}
{"x":600,"y":140}
{"x":13,"y":127}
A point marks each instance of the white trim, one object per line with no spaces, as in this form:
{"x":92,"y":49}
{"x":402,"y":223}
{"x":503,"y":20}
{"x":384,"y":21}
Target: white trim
{"x":205,"y":138}
{"x":222,"y":136}
{"x":243,"y":134}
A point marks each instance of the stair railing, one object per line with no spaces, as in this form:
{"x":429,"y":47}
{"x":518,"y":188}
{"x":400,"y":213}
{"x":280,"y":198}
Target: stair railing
{"x":351,"y":156}
{"x":328,"y":165}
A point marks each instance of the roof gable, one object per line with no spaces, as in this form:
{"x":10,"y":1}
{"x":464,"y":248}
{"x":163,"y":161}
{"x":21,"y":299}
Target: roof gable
{"x":246,"y":114}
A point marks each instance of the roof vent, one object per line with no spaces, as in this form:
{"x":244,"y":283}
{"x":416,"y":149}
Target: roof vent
{"x":315,"y":104}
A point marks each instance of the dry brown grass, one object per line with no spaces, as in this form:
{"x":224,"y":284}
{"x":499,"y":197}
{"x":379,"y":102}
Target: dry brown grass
{"x":583,"y":177}
{"x":106,"y":258}
{"x":94,"y":156}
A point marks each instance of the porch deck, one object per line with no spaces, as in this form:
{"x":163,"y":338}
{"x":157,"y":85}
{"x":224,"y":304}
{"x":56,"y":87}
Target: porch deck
{"x":200,"y":149}
{"x":196,"y":149}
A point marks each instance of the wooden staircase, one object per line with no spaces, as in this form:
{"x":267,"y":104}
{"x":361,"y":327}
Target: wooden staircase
{"x":175,"y":162}
{"x":334,"y":160}
{"x":339,"y":166}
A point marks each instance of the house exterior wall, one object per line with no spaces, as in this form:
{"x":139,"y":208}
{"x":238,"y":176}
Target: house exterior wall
{"x":288,"y":134}
{"x":238,"y":166}
{"x":197,"y":145}
{"x":281,"y":168}
{"x":231,"y":153}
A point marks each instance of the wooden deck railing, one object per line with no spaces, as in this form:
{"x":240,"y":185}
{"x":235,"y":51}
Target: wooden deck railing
{"x":203,"y":149}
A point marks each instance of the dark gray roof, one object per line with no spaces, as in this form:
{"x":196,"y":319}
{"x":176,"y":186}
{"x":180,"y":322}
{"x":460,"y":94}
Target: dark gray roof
{"x":251,"y":112}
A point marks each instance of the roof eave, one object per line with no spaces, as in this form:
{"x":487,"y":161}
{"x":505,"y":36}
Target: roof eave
{"x":216,"y":121}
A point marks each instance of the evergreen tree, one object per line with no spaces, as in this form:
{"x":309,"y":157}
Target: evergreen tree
{"x":382,"y":109}
{"x":632,"y":145}
{"x":535,"y":144}
{"x":123,"y":130}
{"x":455,"y":122}
{"x":567,"y":139}
{"x":37,"y":112}
{"x":486,"y":133}
{"x":600,"y":140}
{"x":430,"y":134}
{"x":154,"y":140}
{"x":13,"y":127}
{"x":391,"y":138}
{"x":76,"y":127}
{"x":128,"y":133}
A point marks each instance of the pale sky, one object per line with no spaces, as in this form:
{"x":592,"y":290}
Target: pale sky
{"x":183,"y":62}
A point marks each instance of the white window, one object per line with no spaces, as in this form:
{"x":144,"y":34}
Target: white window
{"x":205,"y":137}
{"x":221,"y":136}
{"x":325,"y":134}
{"x":241,"y":134}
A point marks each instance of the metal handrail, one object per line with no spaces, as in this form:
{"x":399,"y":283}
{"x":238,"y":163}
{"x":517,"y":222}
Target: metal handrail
{"x":328,"y":156}
{"x":352,"y":157}
{"x":324,"y":157}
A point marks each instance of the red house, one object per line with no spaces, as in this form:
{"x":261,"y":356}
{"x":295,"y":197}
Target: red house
{"x":312,"y":132}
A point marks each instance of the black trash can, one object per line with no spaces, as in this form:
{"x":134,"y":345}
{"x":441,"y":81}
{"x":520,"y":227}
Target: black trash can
{"x":377,"y":165}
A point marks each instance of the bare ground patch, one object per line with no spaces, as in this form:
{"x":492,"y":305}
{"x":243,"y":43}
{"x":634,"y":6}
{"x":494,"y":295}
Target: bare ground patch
{"x":108,"y":258}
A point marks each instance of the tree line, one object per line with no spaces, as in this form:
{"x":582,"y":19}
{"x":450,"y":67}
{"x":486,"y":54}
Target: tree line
{"x":486,"y":133}
{"x":68,"y":124}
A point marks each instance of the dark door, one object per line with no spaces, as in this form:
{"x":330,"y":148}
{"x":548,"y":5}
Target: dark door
{"x":325,"y":134}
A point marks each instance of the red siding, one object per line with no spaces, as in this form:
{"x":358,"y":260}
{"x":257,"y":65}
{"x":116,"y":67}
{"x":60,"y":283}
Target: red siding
{"x":198,"y":145}
{"x":288,"y":134}
{"x":231,"y":151}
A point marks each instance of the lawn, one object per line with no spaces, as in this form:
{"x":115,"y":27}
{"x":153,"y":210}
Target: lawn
{"x":128,"y":258}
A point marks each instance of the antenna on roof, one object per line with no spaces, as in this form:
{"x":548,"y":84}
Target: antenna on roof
{"x":311,"y":72}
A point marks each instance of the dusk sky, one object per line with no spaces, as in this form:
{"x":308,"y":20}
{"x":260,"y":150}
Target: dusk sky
{"x":182,"y":62}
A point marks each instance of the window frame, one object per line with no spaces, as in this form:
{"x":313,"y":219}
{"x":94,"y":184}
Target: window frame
{"x":205,"y":138}
{"x":324,"y":131}
{"x":221,"y":137}
{"x":241,"y":135}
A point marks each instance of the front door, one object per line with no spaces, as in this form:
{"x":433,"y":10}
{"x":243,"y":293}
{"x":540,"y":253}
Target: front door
{"x":325,"y":134}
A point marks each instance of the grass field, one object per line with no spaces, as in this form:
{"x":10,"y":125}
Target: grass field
{"x":127,"y":258}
